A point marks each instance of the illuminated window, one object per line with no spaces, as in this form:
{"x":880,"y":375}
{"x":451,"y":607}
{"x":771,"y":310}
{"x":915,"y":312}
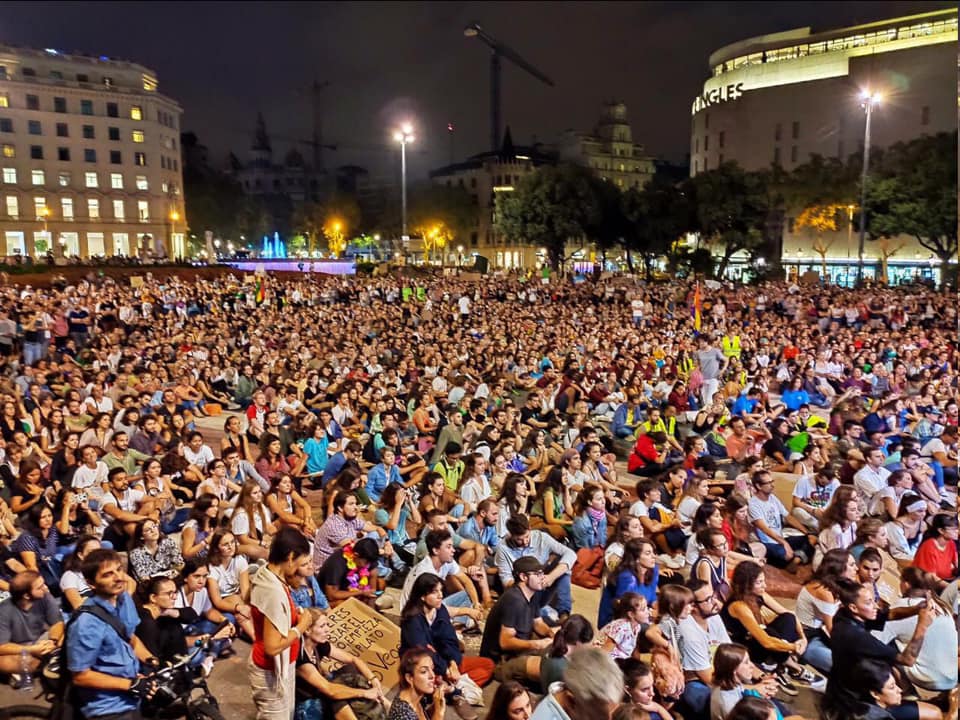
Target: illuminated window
{"x":137,"y":136}
{"x":39,"y":207}
{"x":63,"y":179}
{"x":4,"y":100}
{"x":142,"y":183}
{"x":13,"y":206}
{"x":90,"y":180}
{"x":149,"y":83}
{"x":116,"y":181}
{"x":37,"y":177}
{"x":93,"y":208}
{"x":136,"y":112}
{"x":66,"y":206}
{"x":118,"y":210}
{"x":143,"y":210}
{"x":9,"y":151}
{"x":10,"y":175}
{"x":140,"y":159}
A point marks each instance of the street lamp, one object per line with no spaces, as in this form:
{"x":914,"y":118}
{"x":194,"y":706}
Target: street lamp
{"x":403,"y":136}
{"x":174,"y":217}
{"x":44,"y":215}
{"x":868,"y":99}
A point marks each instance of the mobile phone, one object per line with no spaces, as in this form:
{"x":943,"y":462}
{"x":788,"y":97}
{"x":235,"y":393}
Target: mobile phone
{"x":378,"y":593}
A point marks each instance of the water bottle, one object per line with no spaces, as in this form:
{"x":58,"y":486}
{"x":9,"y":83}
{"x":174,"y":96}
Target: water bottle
{"x":26,"y":679}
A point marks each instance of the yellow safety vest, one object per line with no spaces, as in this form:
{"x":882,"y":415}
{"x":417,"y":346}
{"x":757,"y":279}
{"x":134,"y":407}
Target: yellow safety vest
{"x":731,"y":347}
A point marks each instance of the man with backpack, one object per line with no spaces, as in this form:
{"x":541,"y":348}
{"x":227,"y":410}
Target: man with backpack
{"x":104,"y":658}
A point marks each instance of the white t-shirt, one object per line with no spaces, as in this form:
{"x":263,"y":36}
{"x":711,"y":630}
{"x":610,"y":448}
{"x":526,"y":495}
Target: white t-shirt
{"x":936,"y":666}
{"x":200,"y":602}
{"x":199,"y":458}
{"x":807,"y":604}
{"x":698,"y":644}
{"x":73,"y":580}
{"x":128,"y":501}
{"x":90,"y":480}
{"x":228,"y":578}
{"x":686,"y":510}
{"x":934,"y":445}
{"x":807,"y":490}
{"x":475,"y":490}
{"x":423,"y":567}
{"x":771,"y":511}
{"x":240,"y":523}
{"x":869,"y":482}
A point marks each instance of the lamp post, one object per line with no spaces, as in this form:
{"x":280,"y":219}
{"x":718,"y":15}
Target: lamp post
{"x":44,"y":216}
{"x":868,"y":99}
{"x":174,"y":216}
{"x":403,"y":136}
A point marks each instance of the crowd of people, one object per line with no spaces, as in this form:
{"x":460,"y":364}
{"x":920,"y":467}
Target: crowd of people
{"x":491,"y":450}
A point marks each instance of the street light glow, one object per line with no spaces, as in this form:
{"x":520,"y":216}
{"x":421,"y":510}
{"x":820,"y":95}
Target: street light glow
{"x":869,"y":96}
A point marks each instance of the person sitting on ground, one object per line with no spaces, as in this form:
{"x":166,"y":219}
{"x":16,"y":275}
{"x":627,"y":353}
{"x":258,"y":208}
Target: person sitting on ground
{"x":514,"y":629}
{"x":589,"y":529}
{"x":289,"y":507}
{"x":553,"y":510}
{"x":768,"y":516}
{"x":937,"y":553}
{"x":511,"y":701}
{"x":351,"y":572}
{"x":817,"y":604}
{"x":637,"y":572}
{"x":193,"y":593}
{"x":628,"y":631}
{"x":153,"y":555}
{"x":425,"y":622}
{"x":640,"y":693}
{"x":774,"y":644}
{"x":544,"y":670}
{"x":733,"y":673}
{"x":352,"y":687}
{"x":592,"y":687}
{"x":30,"y":622}
{"x":838,"y":523}
{"x":199,"y":527}
{"x":420,"y":697}
{"x":229,"y":580}
{"x":251,"y":522}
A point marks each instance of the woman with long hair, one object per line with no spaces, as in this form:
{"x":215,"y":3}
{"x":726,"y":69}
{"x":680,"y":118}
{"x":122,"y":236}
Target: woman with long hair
{"x":349,"y":480}
{"x":871,"y":532}
{"x":514,"y":500}
{"x":52,"y":433}
{"x":553,"y":510}
{"x":628,"y":527}
{"x":425,"y":623}
{"x":711,"y":563}
{"x":511,"y":702}
{"x":229,"y":580}
{"x":152,"y":554}
{"x":474,"y":484}
{"x":42,"y":543}
{"x":838,"y":523}
{"x":637,"y":572}
{"x":397,"y":509}
{"x":289,"y":507}
{"x":420,"y":696}
{"x":737,"y":528}
{"x":200,"y":525}
{"x":775,"y":644}
{"x":98,"y":433}
{"x":66,"y":461}
{"x":696,"y":490}
{"x":72,"y":583}
{"x":251,"y":523}
{"x":589,"y":529}
{"x":271,"y":462}
{"x":544,"y":670}
{"x":818,"y":602}
{"x":732,"y":671}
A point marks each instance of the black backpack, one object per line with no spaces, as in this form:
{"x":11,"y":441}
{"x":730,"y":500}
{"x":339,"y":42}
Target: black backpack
{"x":56,"y":675}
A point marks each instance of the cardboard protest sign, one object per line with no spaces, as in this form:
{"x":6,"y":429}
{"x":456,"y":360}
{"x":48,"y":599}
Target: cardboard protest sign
{"x":368,"y":635}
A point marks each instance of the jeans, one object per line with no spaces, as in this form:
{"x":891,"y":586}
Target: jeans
{"x":460,"y":600}
{"x":777,"y":556}
{"x":174,"y":524}
{"x":206,"y":627}
{"x":32,"y":351}
{"x":818,"y":654}
{"x":311,"y":709}
{"x":558,"y":595}
{"x":695,"y":701}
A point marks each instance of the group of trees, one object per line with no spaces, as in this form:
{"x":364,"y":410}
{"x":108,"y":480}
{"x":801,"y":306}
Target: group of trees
{"x":911,"y":190}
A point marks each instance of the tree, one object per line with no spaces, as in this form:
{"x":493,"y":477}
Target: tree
{"x":912,"y":191}
{"x":657,"y":218}
{"x":547,"y":208}
{"x":607,"y":226}
{"x":452,"y":207}
{"x":821,"y":219}
{"x":314,"y":220}
{"x":732,"y":207}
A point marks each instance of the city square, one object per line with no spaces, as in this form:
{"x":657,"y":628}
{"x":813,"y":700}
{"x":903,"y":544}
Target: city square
{"x":341,"y":382}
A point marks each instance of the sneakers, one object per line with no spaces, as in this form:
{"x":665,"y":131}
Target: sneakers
{"x":207,"y":665}
{"x":804,"y":676}
{"x":674,"y":562}
{"x":787,"y":687}
{"x":464,"y":709}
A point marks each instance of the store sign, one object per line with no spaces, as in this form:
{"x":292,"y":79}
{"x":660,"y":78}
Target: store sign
{"x":717,"y":95}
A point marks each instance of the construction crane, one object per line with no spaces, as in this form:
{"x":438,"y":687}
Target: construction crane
{"x":497,"y":51}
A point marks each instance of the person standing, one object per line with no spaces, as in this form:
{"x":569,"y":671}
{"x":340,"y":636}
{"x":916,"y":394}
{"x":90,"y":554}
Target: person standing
{"x":712,"y":364}
{"x":278,"y":626}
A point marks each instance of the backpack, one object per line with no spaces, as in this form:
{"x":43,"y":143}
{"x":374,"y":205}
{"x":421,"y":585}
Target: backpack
{"x":56,"y":674}
{"x":588,"y":569}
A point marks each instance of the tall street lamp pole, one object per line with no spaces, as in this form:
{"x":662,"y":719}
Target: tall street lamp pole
{"x":869,"y":100}
{"x":403,"y":136}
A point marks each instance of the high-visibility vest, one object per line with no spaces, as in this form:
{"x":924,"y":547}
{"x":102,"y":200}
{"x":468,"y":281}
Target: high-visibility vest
{"x":731,"y":347}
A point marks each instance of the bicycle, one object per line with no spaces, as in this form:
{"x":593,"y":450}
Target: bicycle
{"x":182,"y":692}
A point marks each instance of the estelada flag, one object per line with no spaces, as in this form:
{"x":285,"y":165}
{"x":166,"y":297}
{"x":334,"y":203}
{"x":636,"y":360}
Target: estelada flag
{"x":696,"y":308}
{"x":261,"y":292}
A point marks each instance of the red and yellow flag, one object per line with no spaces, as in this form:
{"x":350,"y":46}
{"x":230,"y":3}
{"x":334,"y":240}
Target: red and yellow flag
{"x":261,"y":292}
{"x":696,"y":308}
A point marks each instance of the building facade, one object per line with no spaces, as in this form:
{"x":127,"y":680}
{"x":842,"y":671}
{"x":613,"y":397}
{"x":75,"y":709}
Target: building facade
{"x":780,"y":98}
{"x":609,"y":151}
{"x":485,"y":176}
{"x":90,"y":158}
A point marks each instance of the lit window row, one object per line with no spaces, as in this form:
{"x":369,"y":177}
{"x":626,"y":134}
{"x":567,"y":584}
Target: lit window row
{"x":43,"y":212}
{"x":90,"y":179}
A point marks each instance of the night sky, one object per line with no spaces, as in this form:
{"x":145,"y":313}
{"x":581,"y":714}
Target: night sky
{"x":391,"y":61}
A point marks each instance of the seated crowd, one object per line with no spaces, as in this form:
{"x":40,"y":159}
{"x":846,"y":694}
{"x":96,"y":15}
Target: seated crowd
{"x":509,"y":443}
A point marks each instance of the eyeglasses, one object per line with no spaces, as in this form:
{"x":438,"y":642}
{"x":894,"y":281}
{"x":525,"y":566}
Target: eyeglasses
{"x":705,"y":600}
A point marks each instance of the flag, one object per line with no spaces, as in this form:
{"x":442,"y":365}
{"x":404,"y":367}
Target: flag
{"x":261,"y":293}
{"x":696,"y":308}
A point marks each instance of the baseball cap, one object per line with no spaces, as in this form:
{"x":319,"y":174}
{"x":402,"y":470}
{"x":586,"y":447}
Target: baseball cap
{"x":527,"y":564}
